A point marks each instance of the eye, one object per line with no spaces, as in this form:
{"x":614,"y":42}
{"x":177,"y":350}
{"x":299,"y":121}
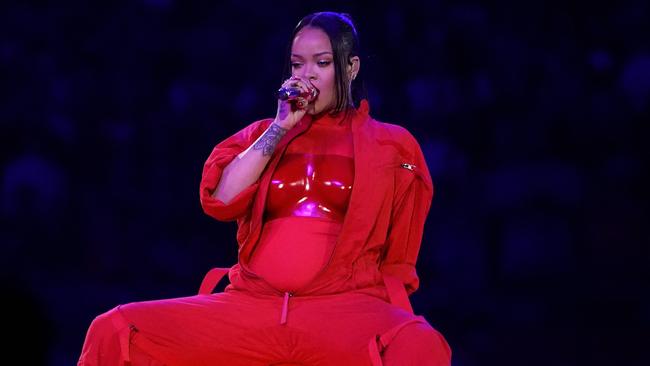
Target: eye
{"x":324,"y":63}
{"x":295,"y":64}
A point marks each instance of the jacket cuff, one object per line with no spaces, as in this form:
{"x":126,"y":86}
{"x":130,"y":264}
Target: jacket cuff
{"x":238,"y":205}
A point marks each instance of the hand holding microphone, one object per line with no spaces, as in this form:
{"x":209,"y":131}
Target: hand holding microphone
{"x":293,"y":98}
{"x":293,"y":92}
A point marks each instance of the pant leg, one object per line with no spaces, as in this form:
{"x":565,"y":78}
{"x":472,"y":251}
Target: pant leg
{"x":226,"y":328}
{"x":108,"y":343}
{"x":343,"y":328}
{"x":417,"y":344}
{"x":235,"y":329}
{"x":104,"y":344}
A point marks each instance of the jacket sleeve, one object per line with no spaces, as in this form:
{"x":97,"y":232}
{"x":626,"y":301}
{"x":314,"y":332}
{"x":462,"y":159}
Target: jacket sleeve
{"x":222,"y":154}
{"x":411,"y":203}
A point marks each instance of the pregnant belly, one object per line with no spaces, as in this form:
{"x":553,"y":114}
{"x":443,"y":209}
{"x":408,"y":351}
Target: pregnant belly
{"x":292,"y":250}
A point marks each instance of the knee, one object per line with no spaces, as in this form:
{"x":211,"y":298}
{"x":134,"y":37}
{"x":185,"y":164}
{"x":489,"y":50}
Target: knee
{"x":422,"y":341}
{"x":425,"y":335}
{"x":102,"y":343}
{"x":106,"y":326}
{"x":101,"y":323}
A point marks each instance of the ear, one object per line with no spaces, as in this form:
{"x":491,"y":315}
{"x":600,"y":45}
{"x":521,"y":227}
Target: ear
{"x":354,"y":64}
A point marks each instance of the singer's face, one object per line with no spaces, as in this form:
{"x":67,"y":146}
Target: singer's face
{"x":312,"y":59}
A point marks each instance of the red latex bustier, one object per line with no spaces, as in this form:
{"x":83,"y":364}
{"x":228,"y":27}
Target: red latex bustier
{"x":306,"y":203}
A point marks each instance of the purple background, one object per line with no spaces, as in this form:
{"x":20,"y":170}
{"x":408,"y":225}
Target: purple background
{"x":532,"y":117}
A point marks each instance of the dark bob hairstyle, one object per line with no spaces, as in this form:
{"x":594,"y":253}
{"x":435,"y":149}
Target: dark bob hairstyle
{"x":345,"y":44}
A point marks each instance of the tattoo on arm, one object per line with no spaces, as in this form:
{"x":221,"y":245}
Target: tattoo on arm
{"x":270,"y":139}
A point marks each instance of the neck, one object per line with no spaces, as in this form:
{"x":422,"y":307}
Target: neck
{"x":329,"y":117}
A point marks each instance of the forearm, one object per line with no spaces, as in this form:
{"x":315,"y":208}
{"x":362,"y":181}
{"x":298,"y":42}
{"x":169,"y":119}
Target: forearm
{"x":247,"y":167}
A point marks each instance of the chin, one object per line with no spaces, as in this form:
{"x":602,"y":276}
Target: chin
{"x":317,"y":108}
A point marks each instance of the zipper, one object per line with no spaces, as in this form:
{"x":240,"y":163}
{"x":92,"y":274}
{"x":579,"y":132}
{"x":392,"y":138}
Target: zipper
{"x":408,"y":166}
{"x":285,"y":307}
{"x":286,"y":294}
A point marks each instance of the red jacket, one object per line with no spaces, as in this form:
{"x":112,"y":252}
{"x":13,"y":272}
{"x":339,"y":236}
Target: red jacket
{"x":382,"y":230}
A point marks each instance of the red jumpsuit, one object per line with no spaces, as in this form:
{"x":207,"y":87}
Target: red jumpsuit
{"x":328,"y":239}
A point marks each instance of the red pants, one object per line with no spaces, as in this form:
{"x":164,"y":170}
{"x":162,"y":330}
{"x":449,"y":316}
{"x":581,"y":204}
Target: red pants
{"x":239,"y":327}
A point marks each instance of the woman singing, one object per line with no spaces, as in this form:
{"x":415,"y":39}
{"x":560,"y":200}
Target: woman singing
{"x":330,"y":206}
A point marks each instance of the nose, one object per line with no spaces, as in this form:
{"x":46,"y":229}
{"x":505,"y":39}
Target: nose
{"x":308,"y":72}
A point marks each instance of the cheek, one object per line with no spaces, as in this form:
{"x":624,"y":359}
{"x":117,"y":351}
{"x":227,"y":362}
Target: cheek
{"x":329,"y":84}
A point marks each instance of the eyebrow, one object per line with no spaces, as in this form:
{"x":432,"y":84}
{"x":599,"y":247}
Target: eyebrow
{"x":314,"y":55}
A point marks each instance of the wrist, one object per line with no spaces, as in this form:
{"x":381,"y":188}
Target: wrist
{"x":281,"y":125}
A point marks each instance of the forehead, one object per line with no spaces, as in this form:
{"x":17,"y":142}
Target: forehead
{"x":310,"y":41}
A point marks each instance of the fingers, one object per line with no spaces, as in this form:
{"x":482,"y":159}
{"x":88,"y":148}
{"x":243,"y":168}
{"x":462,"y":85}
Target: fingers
{"x":312,"y":91}
{"x":301,"y":103}
{"x":306,"y":90}
{"x":303,"y":84}
{"x":293,"y":105}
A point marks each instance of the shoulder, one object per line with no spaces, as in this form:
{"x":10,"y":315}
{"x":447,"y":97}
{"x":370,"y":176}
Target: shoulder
{"x":394,"y":134}
{"x":405,"y":147}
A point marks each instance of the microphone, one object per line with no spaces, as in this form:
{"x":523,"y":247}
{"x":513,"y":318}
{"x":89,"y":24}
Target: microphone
{"x":291,"y":93}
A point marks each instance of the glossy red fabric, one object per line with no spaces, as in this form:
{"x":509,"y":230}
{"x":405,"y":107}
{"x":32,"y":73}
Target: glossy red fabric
{"x":355,"y":311}
{"x":307,"y":200}
{"x":316,"y":173}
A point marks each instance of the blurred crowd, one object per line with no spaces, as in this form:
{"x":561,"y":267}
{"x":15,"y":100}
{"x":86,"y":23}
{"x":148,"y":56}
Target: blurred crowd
{"x":532,"y":117}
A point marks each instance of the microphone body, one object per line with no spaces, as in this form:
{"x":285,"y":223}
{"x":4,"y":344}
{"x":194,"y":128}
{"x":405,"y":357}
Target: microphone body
{"x":291,"y":93}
